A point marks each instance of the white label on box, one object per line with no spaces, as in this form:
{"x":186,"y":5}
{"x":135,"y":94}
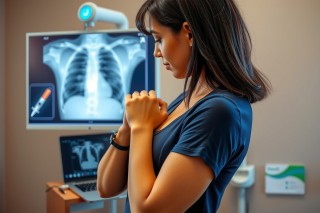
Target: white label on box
{"x":285,"y":179}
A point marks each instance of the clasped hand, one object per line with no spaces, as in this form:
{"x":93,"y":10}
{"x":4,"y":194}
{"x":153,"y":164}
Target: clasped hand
{"x":145,"y":109}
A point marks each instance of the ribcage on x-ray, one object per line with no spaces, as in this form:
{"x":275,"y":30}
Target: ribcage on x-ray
{"x":77,"y":74}
{"x":75,"y":80}
{"x":110,"y":71}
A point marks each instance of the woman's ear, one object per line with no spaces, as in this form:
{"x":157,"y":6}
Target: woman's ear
{"x":187,"y":30}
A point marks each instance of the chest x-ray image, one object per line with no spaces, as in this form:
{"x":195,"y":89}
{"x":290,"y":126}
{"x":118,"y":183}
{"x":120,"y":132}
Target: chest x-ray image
{"x":93,"y":73}
{"x":88,"y":154}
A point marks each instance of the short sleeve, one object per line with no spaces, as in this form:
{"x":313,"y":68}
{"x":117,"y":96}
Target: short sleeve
{"x":211,"y":132}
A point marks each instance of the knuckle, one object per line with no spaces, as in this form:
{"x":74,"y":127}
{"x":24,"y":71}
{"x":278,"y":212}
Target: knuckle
{"x":153,"y":99}
{"x":144,"y":98}
{"x":128,"y":103}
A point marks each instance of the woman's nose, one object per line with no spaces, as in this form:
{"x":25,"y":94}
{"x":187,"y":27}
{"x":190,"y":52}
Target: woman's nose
{"x":157,"y":53}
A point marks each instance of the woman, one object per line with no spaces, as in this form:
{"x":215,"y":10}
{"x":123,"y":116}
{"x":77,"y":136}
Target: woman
{"x":183,"y":157}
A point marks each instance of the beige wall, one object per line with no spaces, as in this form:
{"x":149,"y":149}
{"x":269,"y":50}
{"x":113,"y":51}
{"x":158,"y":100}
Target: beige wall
{"x":2,"y":106}
{"x":286,"y":38}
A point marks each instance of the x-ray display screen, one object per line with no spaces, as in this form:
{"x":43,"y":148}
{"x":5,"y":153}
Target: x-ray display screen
{"x":81,"y":155}
{"x":80,"y":79}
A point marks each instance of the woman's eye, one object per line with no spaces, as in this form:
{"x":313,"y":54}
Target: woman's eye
{"x":157,"y":40}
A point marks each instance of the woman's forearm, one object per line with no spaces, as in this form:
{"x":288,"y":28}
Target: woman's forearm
{"x":113,"y":168}
{"x":141,"y":172}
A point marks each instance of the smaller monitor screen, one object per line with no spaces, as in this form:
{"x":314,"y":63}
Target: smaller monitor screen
{"x":81,"y":155}
{"x":80,"y":79}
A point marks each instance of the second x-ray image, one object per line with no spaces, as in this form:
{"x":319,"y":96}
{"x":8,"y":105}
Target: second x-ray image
{"x":93,"y":73}
{"x":88,"y":154}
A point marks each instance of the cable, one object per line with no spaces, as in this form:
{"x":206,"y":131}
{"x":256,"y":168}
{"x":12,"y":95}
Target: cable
{"x":247,"y":201}
{"x":61,"y":188}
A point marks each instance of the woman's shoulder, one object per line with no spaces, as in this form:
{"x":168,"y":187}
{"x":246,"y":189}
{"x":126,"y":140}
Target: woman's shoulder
{"x":223,"y":101}
{"x":225,"y":96}
{"x":219,"y":108}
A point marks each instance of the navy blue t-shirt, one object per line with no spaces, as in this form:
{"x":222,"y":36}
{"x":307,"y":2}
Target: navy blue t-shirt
{"x":217,"y":129}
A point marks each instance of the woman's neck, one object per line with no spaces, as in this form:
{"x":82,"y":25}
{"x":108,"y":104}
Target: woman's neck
{"x":202,"y":87}
{"x":201,"y":90}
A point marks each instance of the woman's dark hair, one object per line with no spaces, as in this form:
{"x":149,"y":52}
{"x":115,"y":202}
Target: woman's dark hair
{"x":221,"y":44}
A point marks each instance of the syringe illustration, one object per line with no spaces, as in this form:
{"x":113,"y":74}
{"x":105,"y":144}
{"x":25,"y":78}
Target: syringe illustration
{"x":41,"y":101}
